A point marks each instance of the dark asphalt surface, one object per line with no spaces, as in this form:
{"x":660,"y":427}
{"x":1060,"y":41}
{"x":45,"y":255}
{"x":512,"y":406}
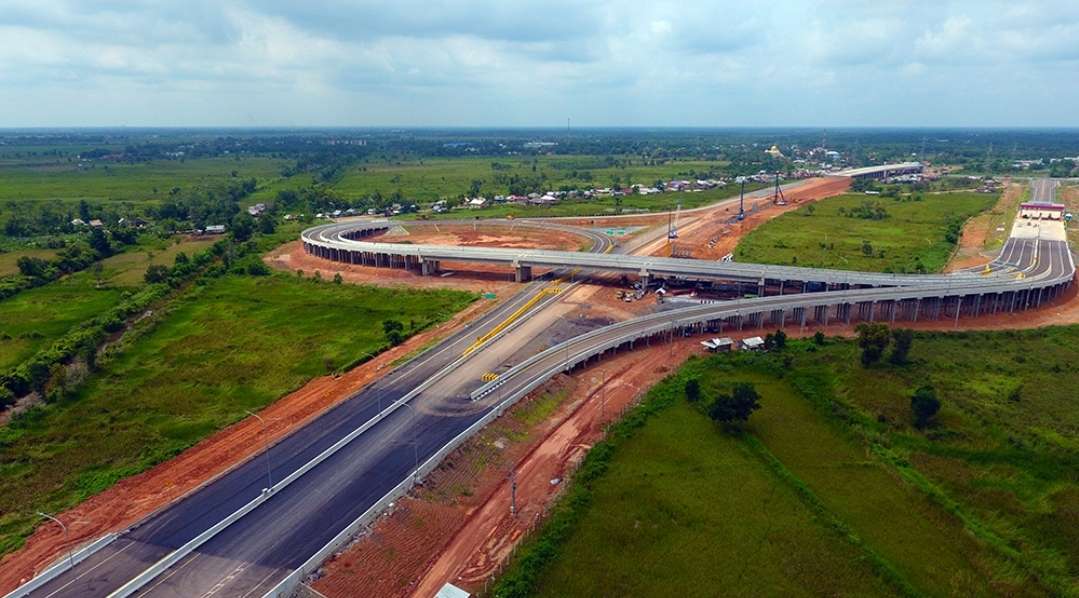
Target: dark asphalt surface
{"x":250,"y":556}
{"x":364,"y":470}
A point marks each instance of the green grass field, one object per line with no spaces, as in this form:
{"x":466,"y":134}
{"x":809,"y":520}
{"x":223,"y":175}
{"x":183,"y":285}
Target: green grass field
{"x":985,"y":502}
{"x":684,"y":511}
{"x":238,"y":343}
{"x":818,"y":235}
{"x":33,"y":319}
{"x":130,"y":182}
{"x":430,"y":179}
{"x":9,"y":260}
{"x":128,"y":268}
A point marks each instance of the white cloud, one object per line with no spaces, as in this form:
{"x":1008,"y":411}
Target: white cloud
{"x":359,"y":62}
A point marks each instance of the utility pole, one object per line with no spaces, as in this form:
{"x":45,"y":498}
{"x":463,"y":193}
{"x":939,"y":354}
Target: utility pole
{"x":67,"y":537}
{"x":513,"y":492}
{"x":742,"y":199}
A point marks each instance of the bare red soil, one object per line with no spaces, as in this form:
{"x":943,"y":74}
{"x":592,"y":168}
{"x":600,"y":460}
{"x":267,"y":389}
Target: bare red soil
{"x":975,"y":233}
{"x":137,"y":496}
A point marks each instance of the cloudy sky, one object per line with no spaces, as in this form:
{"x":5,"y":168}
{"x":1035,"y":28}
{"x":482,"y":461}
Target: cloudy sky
{"x":509,"y":62}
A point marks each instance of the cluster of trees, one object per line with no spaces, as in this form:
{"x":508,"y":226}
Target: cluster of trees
{"x":868,"y":210}
{"x":199,"y":209}
{"x":35,"y":271}
{"x":394,"y":331}
{"x":874,"y":339}
{"x":47,"y":373}
{"x":729,"y":409}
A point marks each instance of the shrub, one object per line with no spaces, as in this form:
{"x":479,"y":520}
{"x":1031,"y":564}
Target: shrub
{"x":736,"y":407}
{"x":873,"y":338}
{"x":156,"y":273}
{"x":904,"y":338}
{"x":693,"y":390}
{"x":924,"y":404}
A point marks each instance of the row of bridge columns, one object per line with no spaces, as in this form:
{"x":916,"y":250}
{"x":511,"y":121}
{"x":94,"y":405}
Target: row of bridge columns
{"x":887,"y":311}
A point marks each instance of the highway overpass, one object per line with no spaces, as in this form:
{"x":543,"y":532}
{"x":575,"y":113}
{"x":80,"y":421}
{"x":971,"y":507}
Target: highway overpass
{"x":234,"y":537}
{"x":347,"y":242}
{"x":882,"y":171}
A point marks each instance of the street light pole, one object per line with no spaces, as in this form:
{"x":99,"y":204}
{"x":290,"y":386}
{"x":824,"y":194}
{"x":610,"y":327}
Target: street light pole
{"x":67,"y":537}
{"x":415,"y":449}
{"x":269,"y":476}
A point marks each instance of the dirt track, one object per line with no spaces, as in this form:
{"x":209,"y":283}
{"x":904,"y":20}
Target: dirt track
{"x":976,"y":232}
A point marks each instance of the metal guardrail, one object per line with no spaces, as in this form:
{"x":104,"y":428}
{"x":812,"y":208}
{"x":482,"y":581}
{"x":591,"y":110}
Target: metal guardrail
{"x":700,"y":314}
{"x":334,"y":237}
{"x":61,"y":565}
{"x":177,"y":555}
{"x":287,"y":586}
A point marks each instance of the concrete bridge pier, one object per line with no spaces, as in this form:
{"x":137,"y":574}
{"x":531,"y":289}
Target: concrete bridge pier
{"x":522,"y":273}
{"x":428,"y":267}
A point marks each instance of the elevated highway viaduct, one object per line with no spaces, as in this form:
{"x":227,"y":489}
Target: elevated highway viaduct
{"x":265,"y":549}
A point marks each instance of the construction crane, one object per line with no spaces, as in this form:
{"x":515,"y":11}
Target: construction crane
{"x":777,"y":196}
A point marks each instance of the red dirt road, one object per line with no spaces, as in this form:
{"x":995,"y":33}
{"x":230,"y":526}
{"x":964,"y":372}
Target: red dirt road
{"x":136,"y":497}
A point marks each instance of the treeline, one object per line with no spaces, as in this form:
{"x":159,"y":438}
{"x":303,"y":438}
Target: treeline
{"x":35,"y":271}
{"x":47,"y":371}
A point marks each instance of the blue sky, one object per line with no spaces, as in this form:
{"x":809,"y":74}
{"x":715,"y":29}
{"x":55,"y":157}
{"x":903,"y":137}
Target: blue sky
{"x":510,"y":63}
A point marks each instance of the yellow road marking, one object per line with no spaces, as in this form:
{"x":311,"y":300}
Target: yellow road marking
{"x":551,"y":289}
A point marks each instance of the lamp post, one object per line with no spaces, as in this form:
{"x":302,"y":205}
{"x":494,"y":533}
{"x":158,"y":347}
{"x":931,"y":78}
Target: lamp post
{"x":269,"y":476}
{"x":415,"y":448}
{"x":67,"y":537}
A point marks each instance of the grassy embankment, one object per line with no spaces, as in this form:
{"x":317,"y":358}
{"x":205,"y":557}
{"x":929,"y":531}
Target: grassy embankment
{"x":831,"y":489}
{"x":915,"y":235}
{"x":235,"y":344}
{"x":33,"y":319}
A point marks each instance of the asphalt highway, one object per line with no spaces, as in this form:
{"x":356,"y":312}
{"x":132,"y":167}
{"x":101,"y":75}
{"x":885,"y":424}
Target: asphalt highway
{"x":254,"y":553}
{"x":158,"y":535}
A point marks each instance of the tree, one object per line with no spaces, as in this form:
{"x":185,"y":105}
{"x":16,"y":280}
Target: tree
{"x":156,"y":273}
{"x":337,"y":278}
{"x":818,"y":337}
{"x":904,"y":338}
{"x":693,"y":390}
{"x":32,"y":266}
{"x":243,"y":226}
{"x":736,"y":407}
{"x":267,"y":224}
{"x":924,"y":404}
{"x":84,"y":211}
{"x":873,"y":338}
{"x":779,"y":340}
{"x":394,"y":331}
{"x":100,"y":242}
